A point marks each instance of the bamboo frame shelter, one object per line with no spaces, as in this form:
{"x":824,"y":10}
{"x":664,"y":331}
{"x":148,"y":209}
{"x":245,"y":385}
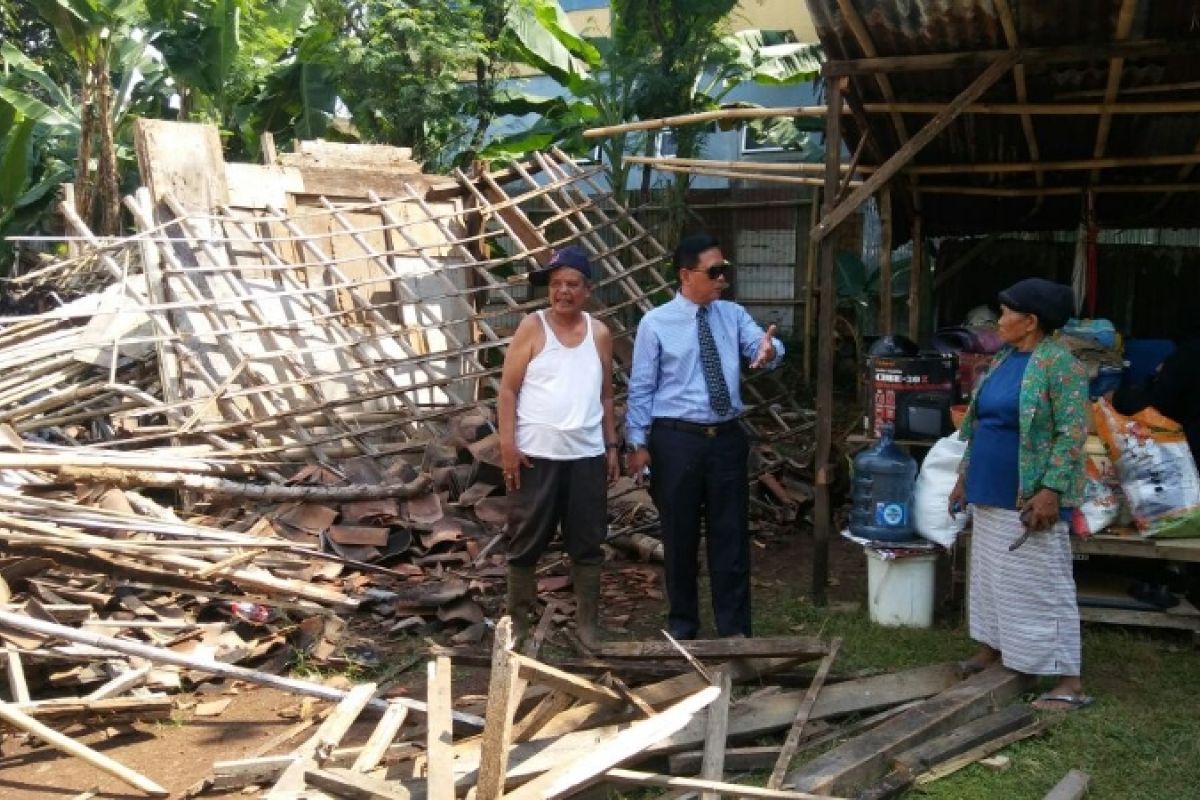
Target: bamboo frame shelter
{"x":1022,"y":119}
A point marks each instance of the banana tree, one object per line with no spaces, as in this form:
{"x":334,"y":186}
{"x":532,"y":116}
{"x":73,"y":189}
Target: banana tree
{"x":42,"y":128}
{"x":96,"y":34}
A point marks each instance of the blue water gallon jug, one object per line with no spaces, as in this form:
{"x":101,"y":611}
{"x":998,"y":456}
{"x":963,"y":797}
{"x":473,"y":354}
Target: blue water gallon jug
{"x":884,"y":477}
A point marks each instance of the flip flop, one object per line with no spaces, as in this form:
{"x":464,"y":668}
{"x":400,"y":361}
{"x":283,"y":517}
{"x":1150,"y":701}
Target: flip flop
{"x":1073,"y":701}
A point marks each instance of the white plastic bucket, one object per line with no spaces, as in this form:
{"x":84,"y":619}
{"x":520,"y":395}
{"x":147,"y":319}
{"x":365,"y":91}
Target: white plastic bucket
{"x":900,"y":590}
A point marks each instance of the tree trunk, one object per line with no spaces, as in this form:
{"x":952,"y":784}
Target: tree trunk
{"x":108,"y":181}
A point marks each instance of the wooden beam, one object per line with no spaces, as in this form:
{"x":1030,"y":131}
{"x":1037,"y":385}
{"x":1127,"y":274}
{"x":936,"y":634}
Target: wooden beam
{"x":799,"y":647}
{"x":439,"y":736}
{"x":1041,"y":109}
{"x":382,"y":737}
{"x":953,"y":765}
{"x":822,"y":507}
{"x":792,"y":742}
{"x":1089,"y":53}
{"x":498,"y":721}
{"x":863,"y":37}
{"x":1080,"y":164}
{"x":885,"y":260}
{"x":712,"y":763}
{"x":978,"y":732}
{"x":536,"y":672}
{"x":1116,"y":66}
{"x":810,"y":286}
{"x":354,"y":786}
{"x":1064,"y":191}
{"x":916,"y":273}
{"x":1073,"y":786}
{"x":863,"y":760}
{"x":616,"y":749}
{"x":765,"y":177}
{"x":1010,"y":35}
{"x":914,"y":145}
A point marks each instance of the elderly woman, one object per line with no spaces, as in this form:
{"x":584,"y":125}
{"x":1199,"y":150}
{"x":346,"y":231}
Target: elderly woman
{"x":1022,"y":473}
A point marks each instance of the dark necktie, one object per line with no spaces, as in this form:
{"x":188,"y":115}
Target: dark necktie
{"x":710,"y":361}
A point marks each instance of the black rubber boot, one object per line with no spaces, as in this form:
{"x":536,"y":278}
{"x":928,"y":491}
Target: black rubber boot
{"x":522,"y":600}
{"x":586,"y":580}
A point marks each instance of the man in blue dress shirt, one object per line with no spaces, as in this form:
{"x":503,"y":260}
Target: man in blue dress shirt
{"x":682,"y":423}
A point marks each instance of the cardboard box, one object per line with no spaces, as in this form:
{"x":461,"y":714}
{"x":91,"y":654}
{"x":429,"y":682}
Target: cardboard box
{"x":913,"y":394}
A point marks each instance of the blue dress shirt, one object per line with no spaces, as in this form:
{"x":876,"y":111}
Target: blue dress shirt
{"x":667,"y":379}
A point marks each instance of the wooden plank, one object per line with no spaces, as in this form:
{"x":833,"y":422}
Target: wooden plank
{"x":263,"y":769}
{"x":536,"y":672}
{"x":319,"y":747}
{"x":62,"y":711}
{"x":440,"y":733}
{"x":863,"y":759}
{"x":788,"y":751}
{"x":634,"y":778}
{"x":498,"y":721}
{"x":909,"y":149}
{"x":927,"y":755}
{"x":1073,"y":786}
{"x":66,"y":744}
{"x":382,"y":737}
{"x":1144,"y":619}
{"x":354,"y":786}
{"x":120,"y":684}
{"x":183,"y":160}
{"x":983,"y":751}
{"x":549,"y":707}
{"x":808,"y":647}
{"x":661,"y":694}
{"x":749,"y":718}
{"x":572,"y":776}
{"x":712,"y":764}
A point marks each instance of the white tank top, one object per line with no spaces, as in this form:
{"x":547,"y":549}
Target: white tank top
{"x":559,"y":415}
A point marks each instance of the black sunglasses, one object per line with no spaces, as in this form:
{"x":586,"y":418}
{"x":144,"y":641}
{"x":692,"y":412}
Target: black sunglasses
{"x":716,"y":270}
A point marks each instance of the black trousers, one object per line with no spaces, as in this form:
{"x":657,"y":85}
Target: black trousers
{"x":573,"y":494}
{"x":694,"y":476}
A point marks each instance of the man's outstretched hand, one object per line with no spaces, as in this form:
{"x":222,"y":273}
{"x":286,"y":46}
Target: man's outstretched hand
{"x":766,"y":349}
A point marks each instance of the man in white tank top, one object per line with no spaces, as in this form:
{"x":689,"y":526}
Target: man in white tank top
{"x":558,"y":443}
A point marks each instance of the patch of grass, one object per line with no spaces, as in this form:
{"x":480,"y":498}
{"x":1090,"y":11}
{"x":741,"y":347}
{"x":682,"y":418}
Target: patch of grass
{"x":1140,"y":739}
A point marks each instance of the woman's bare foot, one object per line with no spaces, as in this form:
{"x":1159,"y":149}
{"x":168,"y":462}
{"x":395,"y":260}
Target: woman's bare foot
{"x":985,"y":658}
{"x":1067,"y":695}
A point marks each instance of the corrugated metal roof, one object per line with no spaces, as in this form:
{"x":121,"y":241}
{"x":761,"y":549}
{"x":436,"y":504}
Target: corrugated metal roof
{"x":914,"y":27}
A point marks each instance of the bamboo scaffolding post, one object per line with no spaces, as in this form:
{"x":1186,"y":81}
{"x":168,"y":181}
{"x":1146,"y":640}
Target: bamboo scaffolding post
{"x":66,"y":744}
{"x":822,"y":509}
{"x":720,"y":114}
{"x":751,"y":166}
{"x":763,"y":177}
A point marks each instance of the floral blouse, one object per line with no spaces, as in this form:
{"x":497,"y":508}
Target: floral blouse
{"x":1053,"y":421}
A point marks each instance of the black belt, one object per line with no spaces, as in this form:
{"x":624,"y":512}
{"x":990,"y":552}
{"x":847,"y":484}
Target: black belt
{"x":711,"y":430}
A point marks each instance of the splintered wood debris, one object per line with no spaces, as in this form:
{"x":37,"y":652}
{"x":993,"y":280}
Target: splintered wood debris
{"x":261,"y":432}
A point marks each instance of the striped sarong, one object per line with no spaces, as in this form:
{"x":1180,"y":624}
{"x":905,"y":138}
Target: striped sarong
{"x":1022,"y":603}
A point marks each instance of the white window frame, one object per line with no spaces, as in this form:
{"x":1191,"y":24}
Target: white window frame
{"x":747,"y":148}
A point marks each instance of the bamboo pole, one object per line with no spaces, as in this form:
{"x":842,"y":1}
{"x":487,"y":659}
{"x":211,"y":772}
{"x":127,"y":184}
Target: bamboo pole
{"x":138,"y":478}
{"x":21,"y":720}
{"x":161,"y":655}
{"x":765,"y":177}
{"x":757,"y":166}
{"x":1063,"y":191}
{"x":705,"y":116}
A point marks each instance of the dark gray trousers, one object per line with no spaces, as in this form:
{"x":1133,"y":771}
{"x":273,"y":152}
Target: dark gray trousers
{"x":571,"y":494}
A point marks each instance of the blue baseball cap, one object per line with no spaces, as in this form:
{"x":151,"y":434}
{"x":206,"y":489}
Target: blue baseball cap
{"x":573,"y":256}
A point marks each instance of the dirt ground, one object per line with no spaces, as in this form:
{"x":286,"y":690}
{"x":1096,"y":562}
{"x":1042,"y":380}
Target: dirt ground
{"x":178,"y":753}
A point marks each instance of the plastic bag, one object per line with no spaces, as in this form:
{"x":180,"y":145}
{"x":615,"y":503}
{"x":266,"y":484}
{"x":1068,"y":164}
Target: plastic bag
{"x":931,"y":495}
{"x":1158,"y":475}
{"x":1101,"y":498}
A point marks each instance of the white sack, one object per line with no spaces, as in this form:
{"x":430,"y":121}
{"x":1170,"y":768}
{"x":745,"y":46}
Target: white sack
{"x":931,"y":496}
